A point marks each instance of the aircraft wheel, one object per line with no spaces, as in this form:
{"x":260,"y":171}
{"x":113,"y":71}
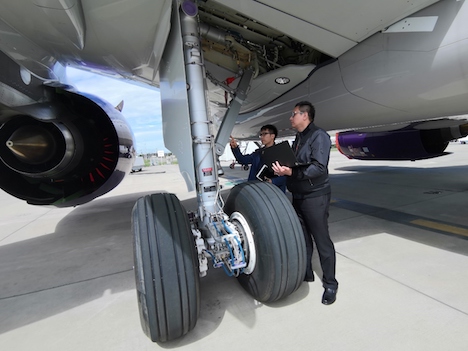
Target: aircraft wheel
{"x":166,"y":268}
{"x":279,"y":246}
{"x":246,"y":167}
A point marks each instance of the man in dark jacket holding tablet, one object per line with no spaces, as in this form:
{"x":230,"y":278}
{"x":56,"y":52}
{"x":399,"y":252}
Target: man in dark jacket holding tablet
{"x":311,"y":193}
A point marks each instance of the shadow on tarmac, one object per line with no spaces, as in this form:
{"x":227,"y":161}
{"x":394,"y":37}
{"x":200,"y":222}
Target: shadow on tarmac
{"x":91,"y":254}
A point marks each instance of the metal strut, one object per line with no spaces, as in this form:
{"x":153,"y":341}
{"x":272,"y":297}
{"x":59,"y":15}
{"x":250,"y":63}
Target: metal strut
{"x":203,"y":150}
{"x":215,"y":236}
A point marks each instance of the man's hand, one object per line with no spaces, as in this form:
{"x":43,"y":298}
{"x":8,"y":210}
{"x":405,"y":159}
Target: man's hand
{"x":281,"y":170}
{"x":233,"y":143}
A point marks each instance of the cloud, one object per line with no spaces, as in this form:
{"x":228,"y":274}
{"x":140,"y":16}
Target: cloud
{"x":142,"y":106}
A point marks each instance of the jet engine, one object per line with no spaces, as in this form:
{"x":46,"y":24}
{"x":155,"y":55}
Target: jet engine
{"x":415,"y":141}
{"x":65,"y":150}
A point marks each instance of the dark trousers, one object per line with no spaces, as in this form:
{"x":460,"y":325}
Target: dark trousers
{"x":313,"y":215}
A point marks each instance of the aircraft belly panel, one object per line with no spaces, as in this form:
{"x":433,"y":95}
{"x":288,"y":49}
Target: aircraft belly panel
{"x":336,"y":107}
{"x":355,"y":20}
{"x":425,"y":84}
{"x":322,"y":25}
{"x":264,"y":89}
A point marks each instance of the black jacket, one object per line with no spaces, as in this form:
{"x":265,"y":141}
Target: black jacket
{"x":312,"y":148}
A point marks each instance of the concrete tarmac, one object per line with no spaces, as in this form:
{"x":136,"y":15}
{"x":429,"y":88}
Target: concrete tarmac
{"x":401,"y":236}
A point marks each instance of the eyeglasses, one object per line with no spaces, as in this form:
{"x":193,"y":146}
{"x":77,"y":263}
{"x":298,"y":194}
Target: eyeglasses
{"x":294,"y":113}
{"x":263,"y":134}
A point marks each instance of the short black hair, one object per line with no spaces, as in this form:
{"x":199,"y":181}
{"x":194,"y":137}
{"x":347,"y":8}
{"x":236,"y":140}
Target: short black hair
{"x":306,"y":106}
{"x":271,"y":128}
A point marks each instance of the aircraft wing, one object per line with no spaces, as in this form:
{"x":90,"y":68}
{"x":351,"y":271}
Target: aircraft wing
{"x":362,"y":64}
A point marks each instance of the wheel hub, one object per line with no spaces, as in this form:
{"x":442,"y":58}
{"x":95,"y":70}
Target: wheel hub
{"x":247,"y":240}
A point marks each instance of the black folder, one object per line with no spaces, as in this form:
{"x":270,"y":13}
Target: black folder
{"x":280,"y":152}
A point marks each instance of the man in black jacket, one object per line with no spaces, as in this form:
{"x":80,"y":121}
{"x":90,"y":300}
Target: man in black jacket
{"x":311,"y":193}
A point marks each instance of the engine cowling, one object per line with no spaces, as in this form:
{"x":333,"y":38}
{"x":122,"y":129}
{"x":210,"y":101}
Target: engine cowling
{"x":415,"y":141}
{"x":65,"y":151}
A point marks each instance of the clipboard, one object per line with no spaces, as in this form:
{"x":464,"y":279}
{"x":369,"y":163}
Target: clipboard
{"x":281,"y":152}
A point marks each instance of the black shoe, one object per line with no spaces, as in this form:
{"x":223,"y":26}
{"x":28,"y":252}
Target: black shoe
{"x":329,"y":296}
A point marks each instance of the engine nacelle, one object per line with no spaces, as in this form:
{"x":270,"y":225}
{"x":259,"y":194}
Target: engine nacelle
{"x":412,"y":142}
{"x":65,"y":151}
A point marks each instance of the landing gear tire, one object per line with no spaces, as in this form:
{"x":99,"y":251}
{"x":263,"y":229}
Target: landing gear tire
{"x":279,"y":242}
{"x":166,"y":269}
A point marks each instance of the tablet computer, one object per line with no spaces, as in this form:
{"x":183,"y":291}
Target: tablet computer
{"x":265,"y":172}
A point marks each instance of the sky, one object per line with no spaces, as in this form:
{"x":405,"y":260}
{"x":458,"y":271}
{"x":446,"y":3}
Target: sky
{"x":142,"y":106}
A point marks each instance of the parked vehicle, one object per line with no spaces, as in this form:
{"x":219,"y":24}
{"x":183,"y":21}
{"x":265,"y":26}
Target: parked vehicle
{"x":138,"y":164}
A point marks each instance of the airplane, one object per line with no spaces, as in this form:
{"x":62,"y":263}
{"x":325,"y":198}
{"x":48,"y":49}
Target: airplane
{"x":390,"y":75}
